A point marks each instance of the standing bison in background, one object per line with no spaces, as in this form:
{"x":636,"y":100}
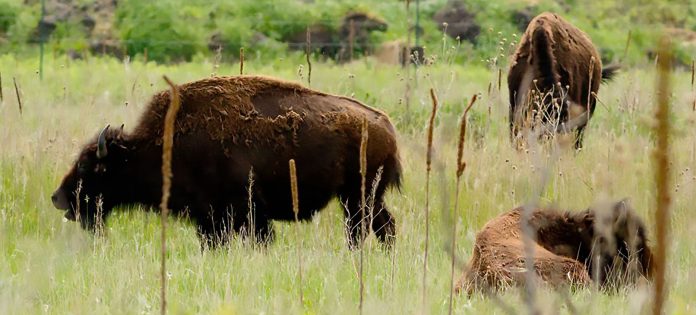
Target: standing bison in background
{"x":228,"y":130}
{"x":351,"y":39}
{"x":609,"y":247}
{"x":553,"y":73}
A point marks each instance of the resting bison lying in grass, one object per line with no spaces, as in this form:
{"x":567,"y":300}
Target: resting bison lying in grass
{"x":228,"y":129}
{"x":570,"y":249}
{"x":553,"y":74}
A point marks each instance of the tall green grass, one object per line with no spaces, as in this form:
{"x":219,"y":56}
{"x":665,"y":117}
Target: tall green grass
{"x":51,"y":266}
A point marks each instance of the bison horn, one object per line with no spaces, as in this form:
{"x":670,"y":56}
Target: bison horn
{"x":120,"y":133}
{"x":101,"y":143}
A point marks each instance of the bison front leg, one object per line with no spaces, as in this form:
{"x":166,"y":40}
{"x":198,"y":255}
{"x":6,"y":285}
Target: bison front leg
{"x":262,"y":229}
{"x":214,"y":228}
{"x":252,"y":222}
{"x":354,"y":223}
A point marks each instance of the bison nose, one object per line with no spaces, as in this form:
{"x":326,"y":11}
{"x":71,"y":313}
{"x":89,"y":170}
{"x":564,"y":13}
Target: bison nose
{"x":59,"y":200}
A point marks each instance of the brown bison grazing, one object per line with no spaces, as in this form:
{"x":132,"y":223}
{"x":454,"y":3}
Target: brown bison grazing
{"x":569,"y":249}
{"x":228,"y":130}
{"x":553,"y":74}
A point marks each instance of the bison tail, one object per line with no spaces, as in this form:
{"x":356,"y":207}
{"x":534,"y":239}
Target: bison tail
{"x":392,"y":173}
{"x":542,"y":51}
{"x":396,"y":181}
{"x":609,"y":72}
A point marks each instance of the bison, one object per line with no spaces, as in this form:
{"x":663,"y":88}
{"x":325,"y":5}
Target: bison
{"x":570,"y":249}
{"x":553,"y":74}
{"x":233,"y":139}
{"x":351,"y":38}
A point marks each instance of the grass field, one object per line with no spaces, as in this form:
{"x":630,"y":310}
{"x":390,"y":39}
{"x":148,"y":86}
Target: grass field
{"x":51,"y":266}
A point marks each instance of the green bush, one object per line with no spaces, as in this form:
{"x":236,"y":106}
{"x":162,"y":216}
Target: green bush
{"x":174,"y":30}
{"x":259,"y":26}
{"x":8,"y":15}
{"x":170,"y":31}
{"x":20,"y":29}
{"x":69,"y":36}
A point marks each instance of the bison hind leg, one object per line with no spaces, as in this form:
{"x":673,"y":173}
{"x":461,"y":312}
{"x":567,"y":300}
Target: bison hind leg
{"x":378,"y":219}
{"x":263,"y":231}
{"x":383,"y":225}
{"x":254,"y":225}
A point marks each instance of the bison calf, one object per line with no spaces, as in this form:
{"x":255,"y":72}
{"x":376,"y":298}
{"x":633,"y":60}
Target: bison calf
{"x":553,"y":74}
{"x":570,"y":248}
{"x":233,"y":139}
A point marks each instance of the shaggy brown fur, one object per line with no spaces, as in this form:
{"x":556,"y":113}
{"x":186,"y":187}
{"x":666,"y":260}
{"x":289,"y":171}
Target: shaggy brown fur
{"x":228,"y":126}
{"x":570,"y":249}
{"x":552,"y":75}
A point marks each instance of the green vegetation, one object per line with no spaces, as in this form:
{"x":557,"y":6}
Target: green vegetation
{"x":176,"y":30}
{"x":51,"y":266}
{"x":48,"y":265}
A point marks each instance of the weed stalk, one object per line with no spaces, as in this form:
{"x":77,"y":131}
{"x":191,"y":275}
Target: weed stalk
{"x":19,"y":98}
{"x":662,"y":174}
{"x":363,"y":174}
{"x":461,"y":166}
{"x":167,"y":144}
{"x":296,"y":210}
{"x":428,"y":169}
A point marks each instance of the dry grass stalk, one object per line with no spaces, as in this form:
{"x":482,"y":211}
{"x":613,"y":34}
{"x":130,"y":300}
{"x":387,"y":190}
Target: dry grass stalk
{"x":693,"y":70}
{"x":461,"y":165}
{"x":19,"y":98}
{"x":99,"y":224}
{"x":373,"y":193}
{"x":2,"y":98}
{"x":241,"y":61}
{"x":662,"y":174}
{"x":594,"y":95}
{"x":351,"y":39}
{"x":500,"y":75}
{"x":363,"y":174}
{"x":589,"y":86}
{"x":307,"y":53}
{"x":409,"y":33}
{"x":428,"y":168}
{"x":628,"y":42}
{"x":250,"y":205}
{"x":78,"y":190}
{"x":167,"y":144}
{"x":296,"y":210}
{"x":217,"y":60}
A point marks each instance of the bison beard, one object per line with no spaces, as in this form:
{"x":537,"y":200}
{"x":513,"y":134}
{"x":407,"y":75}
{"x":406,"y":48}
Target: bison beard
{"x":227,"y":128}
{"x":571,"y":249}
{"x":553,"y":74}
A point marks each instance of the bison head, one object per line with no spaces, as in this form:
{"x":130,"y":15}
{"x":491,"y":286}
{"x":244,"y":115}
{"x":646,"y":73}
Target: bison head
{"x":88,"y":190}
{"x":619,"y":251}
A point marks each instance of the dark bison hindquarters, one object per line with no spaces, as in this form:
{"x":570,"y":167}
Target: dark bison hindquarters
{"x":229,"y":129}
{"x":560,"y":65}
